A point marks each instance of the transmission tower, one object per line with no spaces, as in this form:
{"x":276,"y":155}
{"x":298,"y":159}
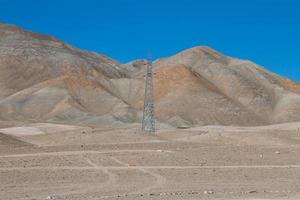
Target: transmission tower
{"x":148,"y":123}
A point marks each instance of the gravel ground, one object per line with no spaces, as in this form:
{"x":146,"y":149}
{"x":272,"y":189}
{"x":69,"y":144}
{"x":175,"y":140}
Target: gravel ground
{"x":198,"y":163}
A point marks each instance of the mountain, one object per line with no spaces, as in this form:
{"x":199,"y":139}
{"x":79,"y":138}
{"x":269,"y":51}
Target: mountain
{"x":44,"y":79}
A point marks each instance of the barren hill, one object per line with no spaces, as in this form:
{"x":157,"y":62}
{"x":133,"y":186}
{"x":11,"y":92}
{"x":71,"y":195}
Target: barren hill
{"x":44,"y":79}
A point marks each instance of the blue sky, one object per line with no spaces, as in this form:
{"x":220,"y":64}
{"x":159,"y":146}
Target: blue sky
{"x":264,"y":31}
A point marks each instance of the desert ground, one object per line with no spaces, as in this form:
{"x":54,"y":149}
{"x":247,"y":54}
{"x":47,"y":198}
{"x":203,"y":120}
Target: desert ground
{"x":70,"y":125}
{"x":53,"y":161}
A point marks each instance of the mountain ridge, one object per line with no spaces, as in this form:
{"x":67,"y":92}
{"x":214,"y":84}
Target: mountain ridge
{"x":45,"y":79}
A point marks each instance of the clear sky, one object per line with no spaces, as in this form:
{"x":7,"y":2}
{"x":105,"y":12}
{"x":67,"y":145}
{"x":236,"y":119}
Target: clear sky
{"x":264,"y":31}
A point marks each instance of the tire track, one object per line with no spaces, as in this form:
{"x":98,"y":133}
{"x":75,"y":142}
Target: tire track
{"x":159,"y":180}
{"x":151,"y":167}
{"x":112,"y":178}
{"x":77,"y":153}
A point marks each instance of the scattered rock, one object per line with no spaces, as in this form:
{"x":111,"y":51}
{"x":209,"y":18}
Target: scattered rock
{"x":179,"y":123}
{"x":49,"y":197}
{"x":277,"y":152}
{"x":209,"y":192}
{"x":253,"y":192}
{"x":261,"y":155}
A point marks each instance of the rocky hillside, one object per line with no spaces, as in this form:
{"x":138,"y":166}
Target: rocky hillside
{"x":44,"y":79}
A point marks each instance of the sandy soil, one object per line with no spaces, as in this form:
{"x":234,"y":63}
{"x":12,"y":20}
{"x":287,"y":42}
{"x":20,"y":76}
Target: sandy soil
{"x":75,"y":163}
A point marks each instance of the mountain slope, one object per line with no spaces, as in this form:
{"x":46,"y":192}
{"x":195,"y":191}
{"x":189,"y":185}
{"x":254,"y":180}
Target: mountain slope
{"x":245,"y":84}
{"x":28,"y":58}
{"x":44,"y":79}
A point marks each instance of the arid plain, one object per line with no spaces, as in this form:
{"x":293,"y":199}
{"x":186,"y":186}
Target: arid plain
{"x":213,"y":162}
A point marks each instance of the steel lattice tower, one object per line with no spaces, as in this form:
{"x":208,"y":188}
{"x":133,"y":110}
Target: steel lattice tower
{"x":148,"y":123}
